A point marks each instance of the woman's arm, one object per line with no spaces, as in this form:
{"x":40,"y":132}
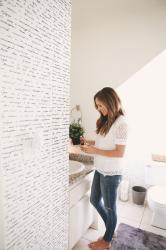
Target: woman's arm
{"x":117,"y":152}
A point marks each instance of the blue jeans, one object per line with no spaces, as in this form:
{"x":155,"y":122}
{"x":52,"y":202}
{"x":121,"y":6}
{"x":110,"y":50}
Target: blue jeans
{"x":103,"y":198}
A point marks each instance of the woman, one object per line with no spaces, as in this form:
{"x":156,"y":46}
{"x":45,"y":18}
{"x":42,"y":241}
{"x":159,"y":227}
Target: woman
{"x":109,"y":149}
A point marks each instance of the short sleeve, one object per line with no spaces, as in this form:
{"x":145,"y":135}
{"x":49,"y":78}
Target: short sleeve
{"x":121,"y":134}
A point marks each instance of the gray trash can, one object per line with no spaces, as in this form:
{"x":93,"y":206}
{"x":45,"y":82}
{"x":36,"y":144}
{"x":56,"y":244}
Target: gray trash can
{"x":138,"y":194}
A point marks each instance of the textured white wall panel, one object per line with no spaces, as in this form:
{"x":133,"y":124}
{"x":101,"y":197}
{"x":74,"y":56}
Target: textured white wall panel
{"x":35,"y":79}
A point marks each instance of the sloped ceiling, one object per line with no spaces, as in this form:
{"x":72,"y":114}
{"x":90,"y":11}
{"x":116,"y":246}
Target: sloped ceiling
{"x":117,"y":35}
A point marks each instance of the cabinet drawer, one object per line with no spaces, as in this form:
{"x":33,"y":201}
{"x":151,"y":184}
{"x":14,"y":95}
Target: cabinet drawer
{"x":81,"y":189}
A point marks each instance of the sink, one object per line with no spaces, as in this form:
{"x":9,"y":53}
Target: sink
{"x":75,"y":167}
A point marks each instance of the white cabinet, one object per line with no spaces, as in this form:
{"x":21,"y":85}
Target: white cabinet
{"x":81,"y":214}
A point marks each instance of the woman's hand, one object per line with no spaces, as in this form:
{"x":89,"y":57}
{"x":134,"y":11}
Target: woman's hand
{"x":88,"y":149}
{"x":84,"y":141}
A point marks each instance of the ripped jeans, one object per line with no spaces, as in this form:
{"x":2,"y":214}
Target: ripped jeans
{"x":103,"y":198}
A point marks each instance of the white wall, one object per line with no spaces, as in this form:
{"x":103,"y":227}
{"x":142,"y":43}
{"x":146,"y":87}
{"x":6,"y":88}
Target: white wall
{"x":143,"y":96}
{"x":35,"y":84}
{"x":111,"y":40}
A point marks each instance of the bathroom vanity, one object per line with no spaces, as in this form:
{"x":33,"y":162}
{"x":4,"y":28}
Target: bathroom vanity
{"x":81,"y":215}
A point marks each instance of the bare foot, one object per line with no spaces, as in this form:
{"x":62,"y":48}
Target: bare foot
{"x":100,"y":238}
{"x":101,"y":245}
{"x":93,"y":242}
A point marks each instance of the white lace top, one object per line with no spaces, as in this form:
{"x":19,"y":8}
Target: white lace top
{"x":116,"y":135}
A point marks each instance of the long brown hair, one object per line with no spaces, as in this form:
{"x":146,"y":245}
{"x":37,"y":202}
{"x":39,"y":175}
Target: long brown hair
{"x":111,"y":100}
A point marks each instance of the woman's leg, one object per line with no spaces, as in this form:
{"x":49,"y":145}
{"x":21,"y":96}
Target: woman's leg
{"x":109,"y":186}
{"x":96,"y":200}
{"x":96,"y":197}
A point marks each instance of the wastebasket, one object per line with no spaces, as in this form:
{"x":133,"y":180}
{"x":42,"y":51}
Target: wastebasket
{"x":138,"y":195}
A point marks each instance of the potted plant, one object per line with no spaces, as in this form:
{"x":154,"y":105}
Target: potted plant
{"x":75,"y":131}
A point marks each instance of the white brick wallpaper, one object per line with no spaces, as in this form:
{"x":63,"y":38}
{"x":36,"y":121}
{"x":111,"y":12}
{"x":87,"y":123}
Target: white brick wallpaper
{"x":35,"y":84}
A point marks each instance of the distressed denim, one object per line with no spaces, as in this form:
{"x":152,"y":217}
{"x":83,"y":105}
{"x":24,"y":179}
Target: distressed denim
{"x":103,"y":198}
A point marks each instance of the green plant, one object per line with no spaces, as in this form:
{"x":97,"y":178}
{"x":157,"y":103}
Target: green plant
{"x":75,"y":131}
